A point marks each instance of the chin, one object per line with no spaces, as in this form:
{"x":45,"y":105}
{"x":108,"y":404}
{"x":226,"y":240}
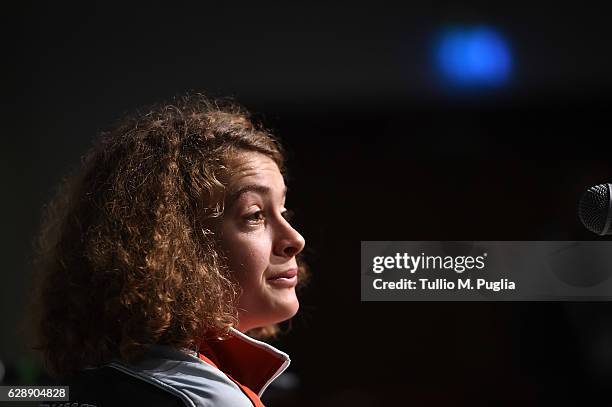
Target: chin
{"x":287,"y":311}
{"x":277,"y":310}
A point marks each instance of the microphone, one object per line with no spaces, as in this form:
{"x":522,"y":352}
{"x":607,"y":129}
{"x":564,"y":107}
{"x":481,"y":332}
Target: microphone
{"x":595,"y":209}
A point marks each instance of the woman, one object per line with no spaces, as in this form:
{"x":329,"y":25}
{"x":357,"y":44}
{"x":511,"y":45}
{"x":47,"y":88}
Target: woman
{"x":167,"y":247}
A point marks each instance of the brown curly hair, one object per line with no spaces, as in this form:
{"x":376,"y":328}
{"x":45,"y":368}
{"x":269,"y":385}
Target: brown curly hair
{"x":127,"y":255}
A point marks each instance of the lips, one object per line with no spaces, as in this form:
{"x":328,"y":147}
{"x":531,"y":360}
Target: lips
{"x":284,"y":279}
{"x":286,"y":274}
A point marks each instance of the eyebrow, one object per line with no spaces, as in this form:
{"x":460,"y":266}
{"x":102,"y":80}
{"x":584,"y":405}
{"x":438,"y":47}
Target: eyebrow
{"x":261,"y":189}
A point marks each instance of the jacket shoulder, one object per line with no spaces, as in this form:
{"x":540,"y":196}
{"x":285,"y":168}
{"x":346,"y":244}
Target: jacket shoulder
{"x":105,"y":386}
{"x":187,"y":377}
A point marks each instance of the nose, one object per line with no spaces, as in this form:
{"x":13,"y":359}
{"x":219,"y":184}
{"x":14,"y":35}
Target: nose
{"x":289,"y":242}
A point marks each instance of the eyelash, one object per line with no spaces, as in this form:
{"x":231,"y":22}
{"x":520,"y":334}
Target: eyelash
{"x":258,"y":216}
{"x":255,"y":217}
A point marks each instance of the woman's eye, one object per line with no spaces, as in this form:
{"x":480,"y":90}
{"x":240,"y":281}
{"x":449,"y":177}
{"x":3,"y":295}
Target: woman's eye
{"x":255,"y":217}
{"x":259,"y":216}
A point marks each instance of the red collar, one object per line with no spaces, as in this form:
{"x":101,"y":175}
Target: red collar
{"x":253,"y":363}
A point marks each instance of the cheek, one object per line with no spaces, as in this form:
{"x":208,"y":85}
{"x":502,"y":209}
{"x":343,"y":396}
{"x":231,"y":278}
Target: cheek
{"x":249,"y":258}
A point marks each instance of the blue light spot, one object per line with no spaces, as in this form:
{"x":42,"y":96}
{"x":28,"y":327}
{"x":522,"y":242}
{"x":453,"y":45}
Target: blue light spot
{"x":476,"y":56}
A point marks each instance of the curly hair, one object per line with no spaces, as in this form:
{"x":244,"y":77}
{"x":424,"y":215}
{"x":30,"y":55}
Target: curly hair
{"x":127,"y":253}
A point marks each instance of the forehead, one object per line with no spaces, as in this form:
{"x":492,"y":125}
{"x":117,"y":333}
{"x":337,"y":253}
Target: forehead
{"x":254,"y":168}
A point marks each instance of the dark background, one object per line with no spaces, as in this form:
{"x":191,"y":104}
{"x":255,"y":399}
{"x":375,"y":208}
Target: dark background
{"x":379,"y":149}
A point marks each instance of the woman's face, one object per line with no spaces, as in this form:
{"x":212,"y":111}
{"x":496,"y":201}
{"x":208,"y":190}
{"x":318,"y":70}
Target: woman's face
{"x":260,"y":243}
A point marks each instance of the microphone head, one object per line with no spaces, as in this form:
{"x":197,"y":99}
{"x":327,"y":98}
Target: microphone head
{"x":595,"y":209}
